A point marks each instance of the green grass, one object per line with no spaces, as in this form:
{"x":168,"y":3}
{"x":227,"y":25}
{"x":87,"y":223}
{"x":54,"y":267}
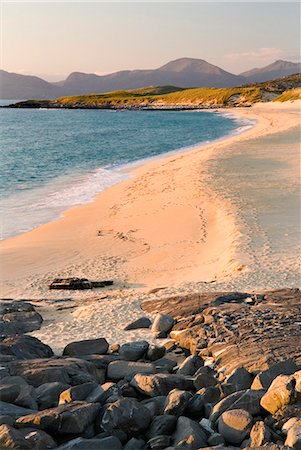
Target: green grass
{"x":290,"y":95}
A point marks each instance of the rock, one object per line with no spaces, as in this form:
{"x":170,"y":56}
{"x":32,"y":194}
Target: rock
{"x":114,"y":348}
{"x":79,"y":392}
{"x":235,"y":425}
{"x":248,"y":400}
{"x":155,"y":405}
{"x":133,"y":351}
{"x":87,"y":347}
{"x":24,"y":347}
{"x":101,"y":393}
{"x":162,"y":425}
{"x":280,"y":393}
{"x":155,"y":352}
{"x":12,"y":439}
{"x":126,"y":369}
{"x":240,"y":378}
{"x":216,"y":439}
{"x":260,"y":434}
{"x":48,"y":394}
{"x":204,"y":378}
{"x":264,"y":379}
{"x":64,"y":419}
{"x":18,"y":323}
{"x":176,"y":402}
{"x":134,"y":444}
{"x":77,"y":283}
{"x":14,"y":411}
{"x":165,"y":364}
{"x":38,"y":439}
{"x":142,"y":322}
{"x":8,"y":420}
{"x":195,"y":406}
{"x":160,"y":384}
{"x":127,"y":415}
{"x":71,"y":371}
{"x":159,"y":442}
{"x":9,"y":392}
{"x":293,"y":439}
{"x":107,"y":443}
{"x":101,"y":361}
{"x":162,"y":323}
{"x":189,"y":434}
{"x":190,"y":365}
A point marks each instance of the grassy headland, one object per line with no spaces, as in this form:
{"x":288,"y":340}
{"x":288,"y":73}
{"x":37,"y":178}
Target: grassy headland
{"x":172,"y":97}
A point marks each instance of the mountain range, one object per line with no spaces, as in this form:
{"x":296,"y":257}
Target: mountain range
{"x":183,"y":72}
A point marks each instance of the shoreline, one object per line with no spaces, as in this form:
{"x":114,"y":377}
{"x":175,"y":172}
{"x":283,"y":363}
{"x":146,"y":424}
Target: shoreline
{"x":202,"y":154}
{"x":164,"y":228}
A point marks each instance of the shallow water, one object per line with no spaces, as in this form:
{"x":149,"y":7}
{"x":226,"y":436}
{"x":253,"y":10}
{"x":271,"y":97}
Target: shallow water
{"x":52,"y":160}
{"x":261,"y":178}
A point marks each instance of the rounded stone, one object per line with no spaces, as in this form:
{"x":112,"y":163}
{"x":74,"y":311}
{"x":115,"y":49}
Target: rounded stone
{"x":235,"y":425}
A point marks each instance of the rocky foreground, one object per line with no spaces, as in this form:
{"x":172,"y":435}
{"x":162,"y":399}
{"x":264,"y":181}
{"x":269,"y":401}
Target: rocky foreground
{"x":226,"y":375}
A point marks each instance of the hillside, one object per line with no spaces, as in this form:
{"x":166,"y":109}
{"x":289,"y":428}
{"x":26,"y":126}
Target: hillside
{"x":166,"y":97}
{"x":277,"y":69}
{"x":183,"y":72}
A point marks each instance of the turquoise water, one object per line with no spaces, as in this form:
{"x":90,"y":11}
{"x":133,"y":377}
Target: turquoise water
{"x":55,"y":159}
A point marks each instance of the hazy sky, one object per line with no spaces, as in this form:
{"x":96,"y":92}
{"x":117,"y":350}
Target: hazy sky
{"x":52,"y":39}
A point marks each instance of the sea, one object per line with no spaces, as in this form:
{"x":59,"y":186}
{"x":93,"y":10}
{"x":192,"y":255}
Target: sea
{"x":55,"y":159}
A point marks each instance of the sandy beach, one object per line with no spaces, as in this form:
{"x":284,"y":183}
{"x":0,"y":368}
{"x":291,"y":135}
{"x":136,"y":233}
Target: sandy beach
{"x":178,"y":223}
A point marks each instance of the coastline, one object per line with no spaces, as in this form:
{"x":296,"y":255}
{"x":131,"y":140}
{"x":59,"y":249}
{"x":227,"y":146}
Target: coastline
{"x":165,"y":227}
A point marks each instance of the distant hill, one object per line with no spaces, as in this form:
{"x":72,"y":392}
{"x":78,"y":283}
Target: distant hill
{"x":183,"y":72}
{"x":15,"y":86}
{"x":275,"y":70}
{"x":171,"y":97}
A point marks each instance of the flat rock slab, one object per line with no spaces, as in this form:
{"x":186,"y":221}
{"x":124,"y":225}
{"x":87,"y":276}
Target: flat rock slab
{"x":17,"y":317}
{"x":78,"y":284}
{"x":254,"y":330}
{"x":71,"y":371}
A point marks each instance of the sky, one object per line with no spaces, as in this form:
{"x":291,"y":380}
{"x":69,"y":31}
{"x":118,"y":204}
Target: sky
{"x":53,"y":39}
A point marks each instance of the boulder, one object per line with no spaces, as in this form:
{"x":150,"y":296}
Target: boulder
{"x":142,"y":322}
{"x":107,"y":443}
{"x":126,"y":369}
{"x":216,"y":439}
{"x":13,"y":439}
{"x":205,"y":377}
{"x":240,"y":378}
{"x":248,"y":400}
{"x":38,"y":439}
{"x":101,"y":393}
{"x":127,"y":415}
{"x":133,"y":351}
{"x":159,"y":442}
{"x":280,"y":393}
{"x":20,"y":322}
{"x":190,"y":365}
{"x":86,"y":347}
{"x":165,"y":364}
{"x":155,"y":352}
{"x":176,"y":402}
{"x":71,"y":371}
{"x":162,"y":323}
{"x":64,"y":419}
{"x":48,"y":394}
{"x":264,"y":379}
{"x":189,"y":434}
{"x":155,"y":405}
{"x":161,"y":425}
{"x":160,"y":384}
{"x":235,"y":425}
{"x":9,"y":392}
{"x":8,"y":420}
{"x":293,"y":439}
{"x":14,"y":411}
{"x":24,"y":347}
{"x":134,"y":444}
{"x":101,"y":361}
{"x":79,"y":392}
{"x":260,"y":434}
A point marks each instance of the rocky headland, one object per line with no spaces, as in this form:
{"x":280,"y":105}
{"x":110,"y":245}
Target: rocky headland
{"x":224,"y":372}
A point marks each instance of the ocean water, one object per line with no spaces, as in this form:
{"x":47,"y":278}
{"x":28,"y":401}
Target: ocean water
{"x":52,"y":160}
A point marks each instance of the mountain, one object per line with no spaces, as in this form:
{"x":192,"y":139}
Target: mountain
{"x":15,"y":86}
{"x":183,"y":72}
{"x":277,"y":69}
